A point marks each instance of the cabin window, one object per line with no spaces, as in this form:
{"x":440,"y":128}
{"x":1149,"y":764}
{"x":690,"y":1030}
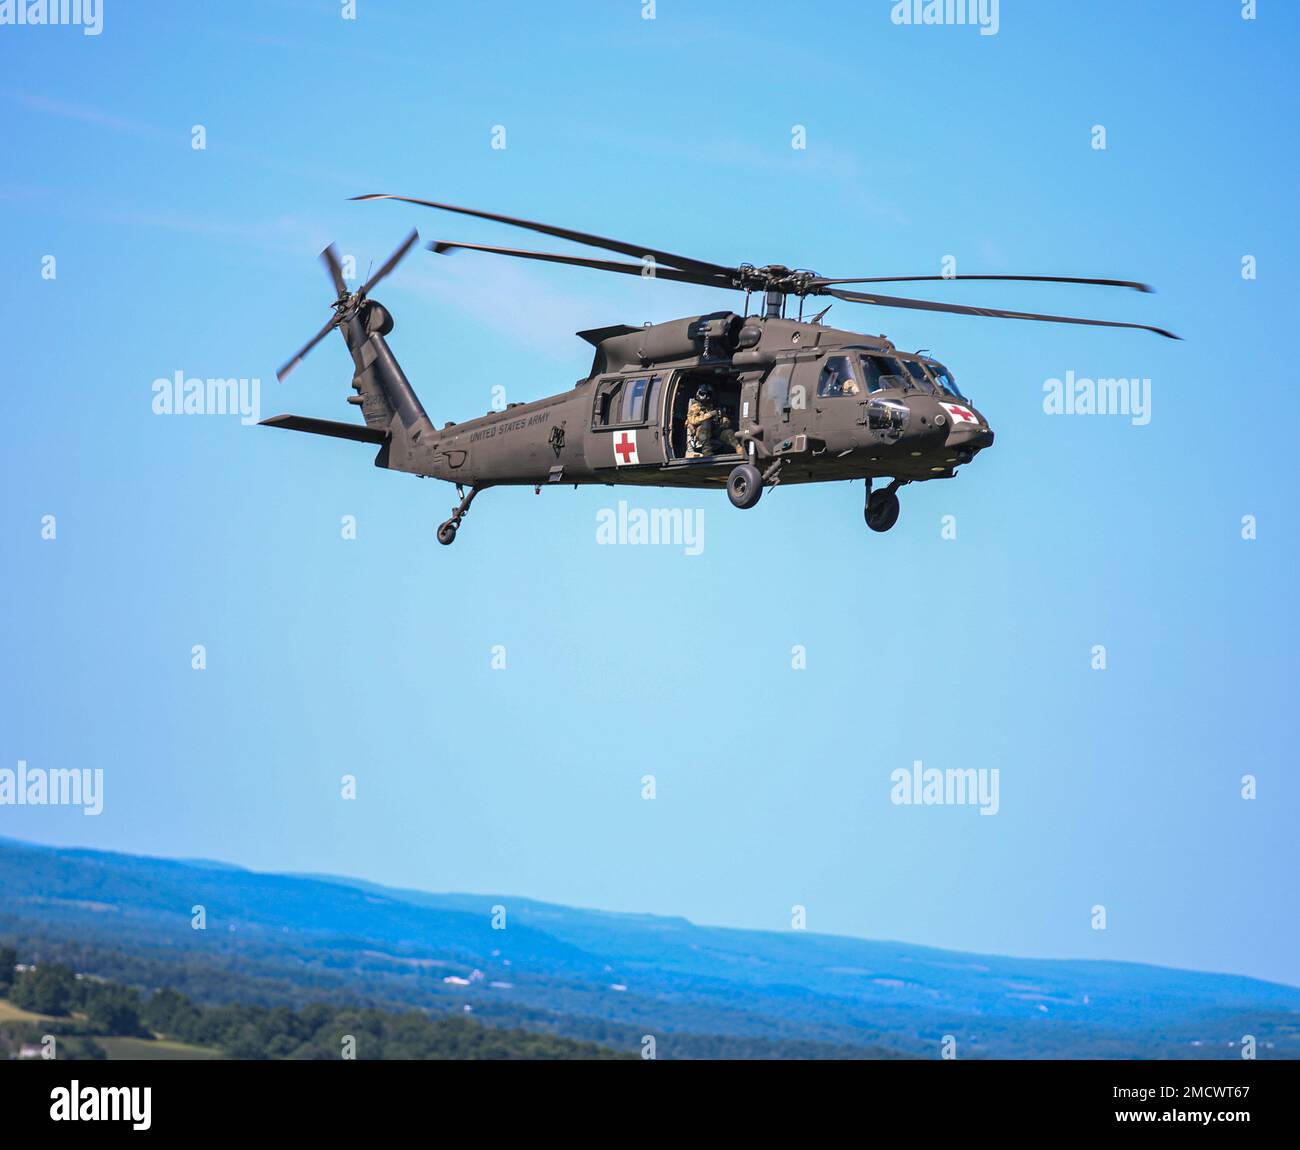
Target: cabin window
{"x":634,"y":400}
{"x":607,"y":406}
{"x":623,"y":402}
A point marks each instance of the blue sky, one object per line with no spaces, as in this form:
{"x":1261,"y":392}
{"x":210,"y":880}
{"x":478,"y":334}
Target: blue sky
{"x":372,"y":656}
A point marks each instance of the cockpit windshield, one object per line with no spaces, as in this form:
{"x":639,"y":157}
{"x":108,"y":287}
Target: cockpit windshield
{"x":919,"y":378}
{"x":882,"y":371}
{"x":945,"y":380}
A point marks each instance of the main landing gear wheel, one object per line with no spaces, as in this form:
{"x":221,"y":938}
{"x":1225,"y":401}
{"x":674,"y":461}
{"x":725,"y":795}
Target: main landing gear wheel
{"x":882,"y":510}
{"x":447,"y":530}
{"x":744,"y":486}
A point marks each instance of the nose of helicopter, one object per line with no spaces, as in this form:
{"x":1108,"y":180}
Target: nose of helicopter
{"x":967,"y":428}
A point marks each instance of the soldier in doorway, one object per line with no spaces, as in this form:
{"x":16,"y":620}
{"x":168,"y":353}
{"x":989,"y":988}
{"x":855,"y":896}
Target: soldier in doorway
{"x":708,"y":429}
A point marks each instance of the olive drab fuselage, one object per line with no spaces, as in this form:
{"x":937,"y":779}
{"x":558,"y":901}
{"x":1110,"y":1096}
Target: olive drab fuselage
{"x":624,"y":424}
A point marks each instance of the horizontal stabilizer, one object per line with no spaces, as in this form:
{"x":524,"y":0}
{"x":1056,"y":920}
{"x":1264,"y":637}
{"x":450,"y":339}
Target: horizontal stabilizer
{"x":597,"y":335}
{"x":359,"y":432}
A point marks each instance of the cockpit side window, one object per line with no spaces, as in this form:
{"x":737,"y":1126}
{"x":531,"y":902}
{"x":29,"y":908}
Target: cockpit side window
{"x":837,"y":378}
{"x":882,"y":371}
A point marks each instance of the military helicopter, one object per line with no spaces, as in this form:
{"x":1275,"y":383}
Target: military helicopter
{"x":725,"y":399}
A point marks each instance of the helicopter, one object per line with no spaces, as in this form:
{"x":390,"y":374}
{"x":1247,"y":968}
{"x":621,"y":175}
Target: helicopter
{"x":724,"y":399}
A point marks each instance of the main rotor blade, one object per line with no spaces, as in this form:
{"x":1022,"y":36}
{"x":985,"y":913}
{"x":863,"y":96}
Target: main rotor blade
{"x":700,"y":267}
{"x":821,"y":281}
{"x":989,"y":312}
{"x":330,"y":257}
{"x":442,"y":247}
{"x":302,"y":352}
{"x":391,"y":262}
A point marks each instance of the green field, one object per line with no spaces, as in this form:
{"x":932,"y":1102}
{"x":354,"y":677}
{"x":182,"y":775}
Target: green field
{"x":122,"y":1049}
{"x":147,"y":1050}
{"x":11,"y":1013}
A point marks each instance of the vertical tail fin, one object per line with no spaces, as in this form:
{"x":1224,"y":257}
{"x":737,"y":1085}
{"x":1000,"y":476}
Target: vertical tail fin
{"x":388,"y":403}
{"x":387,"y":400}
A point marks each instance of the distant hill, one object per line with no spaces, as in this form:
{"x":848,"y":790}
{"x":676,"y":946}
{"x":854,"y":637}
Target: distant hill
{"x":612,"y":978}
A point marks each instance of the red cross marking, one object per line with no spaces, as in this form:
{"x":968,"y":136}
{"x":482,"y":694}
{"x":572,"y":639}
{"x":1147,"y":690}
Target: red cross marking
{"x":625,"y":446}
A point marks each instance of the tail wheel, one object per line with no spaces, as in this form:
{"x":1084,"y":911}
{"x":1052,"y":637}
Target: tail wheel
{"x":447,"y":533}
{"x":744,"y":486}
{"x":882,"y":510}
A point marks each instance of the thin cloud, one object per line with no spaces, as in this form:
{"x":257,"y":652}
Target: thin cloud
{"x":83,"y":114}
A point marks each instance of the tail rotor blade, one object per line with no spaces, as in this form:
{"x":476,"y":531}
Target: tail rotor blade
{"x":330,"y":257}
{"x":392,"y":261}
{"x":302,"y":352}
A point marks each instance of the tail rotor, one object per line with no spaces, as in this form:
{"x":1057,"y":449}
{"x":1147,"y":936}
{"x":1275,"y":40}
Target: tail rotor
{"x":348,"y":303}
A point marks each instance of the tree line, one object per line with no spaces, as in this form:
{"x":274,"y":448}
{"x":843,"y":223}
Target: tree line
{"x":88,"y":1007}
